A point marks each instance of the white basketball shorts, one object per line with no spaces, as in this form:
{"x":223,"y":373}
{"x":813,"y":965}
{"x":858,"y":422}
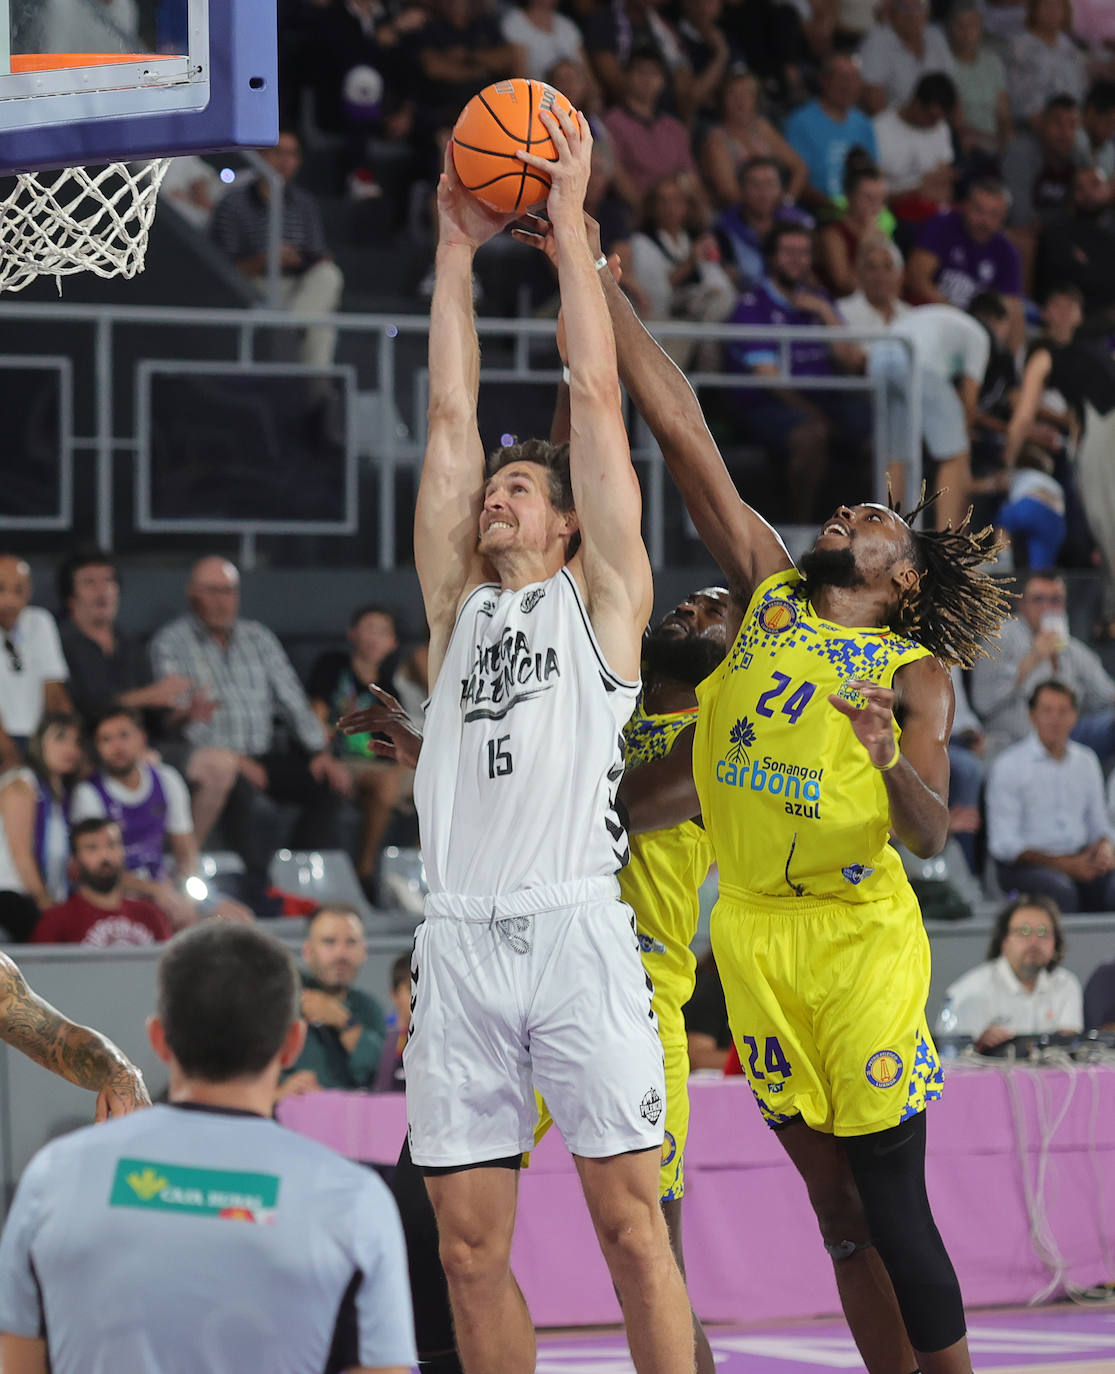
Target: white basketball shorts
{"x":507,"y":999}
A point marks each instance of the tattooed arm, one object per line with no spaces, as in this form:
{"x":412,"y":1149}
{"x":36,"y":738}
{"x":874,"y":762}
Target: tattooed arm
{"x":80,"y":1055}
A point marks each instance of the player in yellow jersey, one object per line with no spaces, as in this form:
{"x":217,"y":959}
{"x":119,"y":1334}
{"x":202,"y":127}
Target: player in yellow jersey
{"x":824,"y":731}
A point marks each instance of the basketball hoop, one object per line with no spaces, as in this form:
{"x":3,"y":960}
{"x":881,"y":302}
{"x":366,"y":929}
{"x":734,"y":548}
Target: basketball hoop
{"x":77,"y":219}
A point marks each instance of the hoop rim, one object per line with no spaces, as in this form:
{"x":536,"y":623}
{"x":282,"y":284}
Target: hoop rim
{"x":63,"y":61}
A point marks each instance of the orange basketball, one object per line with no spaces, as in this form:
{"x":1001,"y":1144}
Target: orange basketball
{"x":491,"y":127}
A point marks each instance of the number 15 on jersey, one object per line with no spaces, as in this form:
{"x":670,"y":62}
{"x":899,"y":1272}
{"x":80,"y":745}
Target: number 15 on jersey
{"x":500,"y":762}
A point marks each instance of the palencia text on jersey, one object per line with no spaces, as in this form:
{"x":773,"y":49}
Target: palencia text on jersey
{"x":507,"y":672}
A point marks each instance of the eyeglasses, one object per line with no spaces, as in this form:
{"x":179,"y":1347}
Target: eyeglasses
{"x":1024,"y":932}
{"x":15,"y":658}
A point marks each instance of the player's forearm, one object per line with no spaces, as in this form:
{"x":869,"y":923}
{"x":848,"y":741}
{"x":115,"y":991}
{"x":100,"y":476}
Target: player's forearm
{"x":918,"y":815}
{"x":454,"y":353}
{"x":590,"y":344}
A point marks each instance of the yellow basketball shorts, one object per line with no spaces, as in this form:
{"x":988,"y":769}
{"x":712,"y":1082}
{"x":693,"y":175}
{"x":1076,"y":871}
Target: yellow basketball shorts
{"x":671,"y":1029}
{"x":826,"y":1002}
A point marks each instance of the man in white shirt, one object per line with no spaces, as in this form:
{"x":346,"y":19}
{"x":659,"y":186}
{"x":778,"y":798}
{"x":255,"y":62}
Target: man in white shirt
{"x":1021,"y":989}
{"x":914,"y":143}
{"x":1047,"y":824}
{"x":895,"y":54}
{"x":32,"y":668}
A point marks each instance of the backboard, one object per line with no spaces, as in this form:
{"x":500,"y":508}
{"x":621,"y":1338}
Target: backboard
{"x":92,"y":81}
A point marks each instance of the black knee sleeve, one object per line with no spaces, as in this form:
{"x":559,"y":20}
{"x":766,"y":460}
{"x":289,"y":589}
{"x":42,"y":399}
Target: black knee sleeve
{"x":433,"y":1321}
{"x":889,"y":1169}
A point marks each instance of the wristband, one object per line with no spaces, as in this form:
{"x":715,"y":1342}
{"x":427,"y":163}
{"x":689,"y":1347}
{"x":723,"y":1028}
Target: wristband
{"x":886,"y":767}
{"x":565,"y":374}
{"x":601,"y":262}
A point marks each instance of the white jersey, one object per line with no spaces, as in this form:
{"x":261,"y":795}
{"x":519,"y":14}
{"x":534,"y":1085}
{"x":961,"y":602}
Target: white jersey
{"x":523,"y":751}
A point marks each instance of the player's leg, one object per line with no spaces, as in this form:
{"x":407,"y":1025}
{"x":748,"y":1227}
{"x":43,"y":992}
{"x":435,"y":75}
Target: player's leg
{"x":475,"y":1210}
{"x":889,"y":1169}
{"x":671,"y":1212}
{"x":622,"y":1196}
{"x":433,"y":1320}
{"x":866,"y":1295}
{"x":377,"y":786}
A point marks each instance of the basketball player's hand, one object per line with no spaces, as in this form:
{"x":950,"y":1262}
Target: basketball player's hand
{"x":569,"y":174}
{"x":872,"y":723}
{"x":386,"y":717}
{"x":461,"y":218}
{"x":123,"y":1093}
{"x":538,"y":233}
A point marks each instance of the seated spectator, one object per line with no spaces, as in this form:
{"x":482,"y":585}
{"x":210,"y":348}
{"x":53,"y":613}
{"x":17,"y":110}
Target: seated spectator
{"x":1035,"y":647}
{"x":339,"y":683}
{"x":1077,"y":248}
{"x":964,"y":251}
{"x":35,"y":825}
{"x":984,"y":124}
{"x":953,"y":349}
{"x":1095,"y":140}
{"x":709,"y":55}
{"x":311,"y":281}
{"x":1034,"y":512}
{"x":1044,"y":61}
{"x":1039,"y":164}
{"x":1047,"y":824}
{"x":740,"y":138}
{"x":618,"y":29}
{"x":915,"y":149}
{"x":802,"y":425}
{"x":391,"y":1077}
{"x":898,"y":53}
{"x":1099,"y":999}
{"x":838,"y":240}
{"x":150,"y":803}
{"x":678,"y":270}
{"x":742,"y":229}
{"x":1021,"y":989}
{"x":244,"y":668}
{"x":543,"y":37}
{"x":32,"y":668}
{"x":875,"y":303}
{"x":825,"y":131}
{"x":344,"y":1042}
{"x":97,"y":912}
{"x":706,"y":1019}
{"x":648,"y":144}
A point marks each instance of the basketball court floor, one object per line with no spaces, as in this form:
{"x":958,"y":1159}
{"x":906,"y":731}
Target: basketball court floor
{"x":1064,"y":1339}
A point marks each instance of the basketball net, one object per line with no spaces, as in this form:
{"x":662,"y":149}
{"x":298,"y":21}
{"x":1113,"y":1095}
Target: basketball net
{"x":77,"y":219}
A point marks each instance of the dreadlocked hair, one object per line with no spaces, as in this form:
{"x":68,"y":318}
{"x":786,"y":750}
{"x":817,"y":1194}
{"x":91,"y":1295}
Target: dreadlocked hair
{"x":956,"y":606}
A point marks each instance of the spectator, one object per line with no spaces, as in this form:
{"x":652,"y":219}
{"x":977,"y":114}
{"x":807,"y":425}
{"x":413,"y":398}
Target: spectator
{"x":339,"y":683}
{"x":1047,"y":824}
{"x":255,"y":1248}
{"x":1022,"y":988}
{"x":742,"y":136}
{"x":35,"y":825}
{"x":802,"y":425}
{"x":543,"y":37}
{"x":964,"y":251}
{"x":875,"y":303}
{"x":244,"y":668}
{"x":1039,"y":164}
{"x":615,"y":31}
{"x":742,"y":229}
{"x":953,"y":349}
{"x":1099,"y":999}
{"x":1034,"y":511}
{"x":32,"y":669}
{"x":679,"y":271}
{"x":193,"y":187}
{"x":311,"y":281}
{"x":1044,"y":61}
{"x":1077,"y":249}
{"x":648,"y":144}
{"x":706,"y":1019}
{"x":915,"y":149}
{"x":457,"y":52}
{"x":838,"y":240}
{"x":825,"y":131}
{"x":344,"y":1043}
{"x":1034,"y":647}
{"x":966,"y":747}
{"x":97,"y":912}
{"x":1095,"y":140}
{"x":391,"y":1077}
{"x":898,"y":53}
{"x":984,"y":124}
{"x":708,"y":53}
{"x":151,"y":804}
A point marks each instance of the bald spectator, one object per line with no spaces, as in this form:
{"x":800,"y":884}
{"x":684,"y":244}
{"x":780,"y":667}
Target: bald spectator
{"x":32,"y":669}
{"x":243,"y":668}
{"x":875,"y":303}
{"x":898,"y":53}
{"x":825,"y":131}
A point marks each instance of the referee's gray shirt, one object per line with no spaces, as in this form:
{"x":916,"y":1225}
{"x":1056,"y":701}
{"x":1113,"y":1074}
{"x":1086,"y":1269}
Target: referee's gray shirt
{"x":186,"y":1240}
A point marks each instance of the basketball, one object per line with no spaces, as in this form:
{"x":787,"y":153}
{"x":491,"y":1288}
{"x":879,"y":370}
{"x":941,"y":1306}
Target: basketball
{"x":493,"y":125}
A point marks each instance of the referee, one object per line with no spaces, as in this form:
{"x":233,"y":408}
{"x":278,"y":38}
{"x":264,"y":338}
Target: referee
{"x":200,"y":1237}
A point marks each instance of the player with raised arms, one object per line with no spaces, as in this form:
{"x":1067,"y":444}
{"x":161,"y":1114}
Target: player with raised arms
{"x":823,"y":732}
{"x":526,"y":967}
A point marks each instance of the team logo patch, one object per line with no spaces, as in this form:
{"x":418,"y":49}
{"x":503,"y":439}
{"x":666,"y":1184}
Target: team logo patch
{"x":488,"y":607}
{"x":649,"y":945}
{"x":776,"y":616}
{"x":669,"y":1148}
{"x":855,"y":873}
{"x":650,"y":1108}
{"x":884,"y":1069}
{"x":531,"y":599}
{"x":741,"y":737}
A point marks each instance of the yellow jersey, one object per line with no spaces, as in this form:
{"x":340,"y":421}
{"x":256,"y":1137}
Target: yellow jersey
{"x":666,"y":868}
{"x":789,"y":797}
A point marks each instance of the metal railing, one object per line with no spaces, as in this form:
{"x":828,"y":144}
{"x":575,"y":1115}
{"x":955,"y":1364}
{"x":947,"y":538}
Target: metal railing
{"x":386,"y":449}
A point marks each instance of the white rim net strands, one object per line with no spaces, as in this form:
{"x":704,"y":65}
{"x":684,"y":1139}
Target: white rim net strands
{"x":77,"y":219}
